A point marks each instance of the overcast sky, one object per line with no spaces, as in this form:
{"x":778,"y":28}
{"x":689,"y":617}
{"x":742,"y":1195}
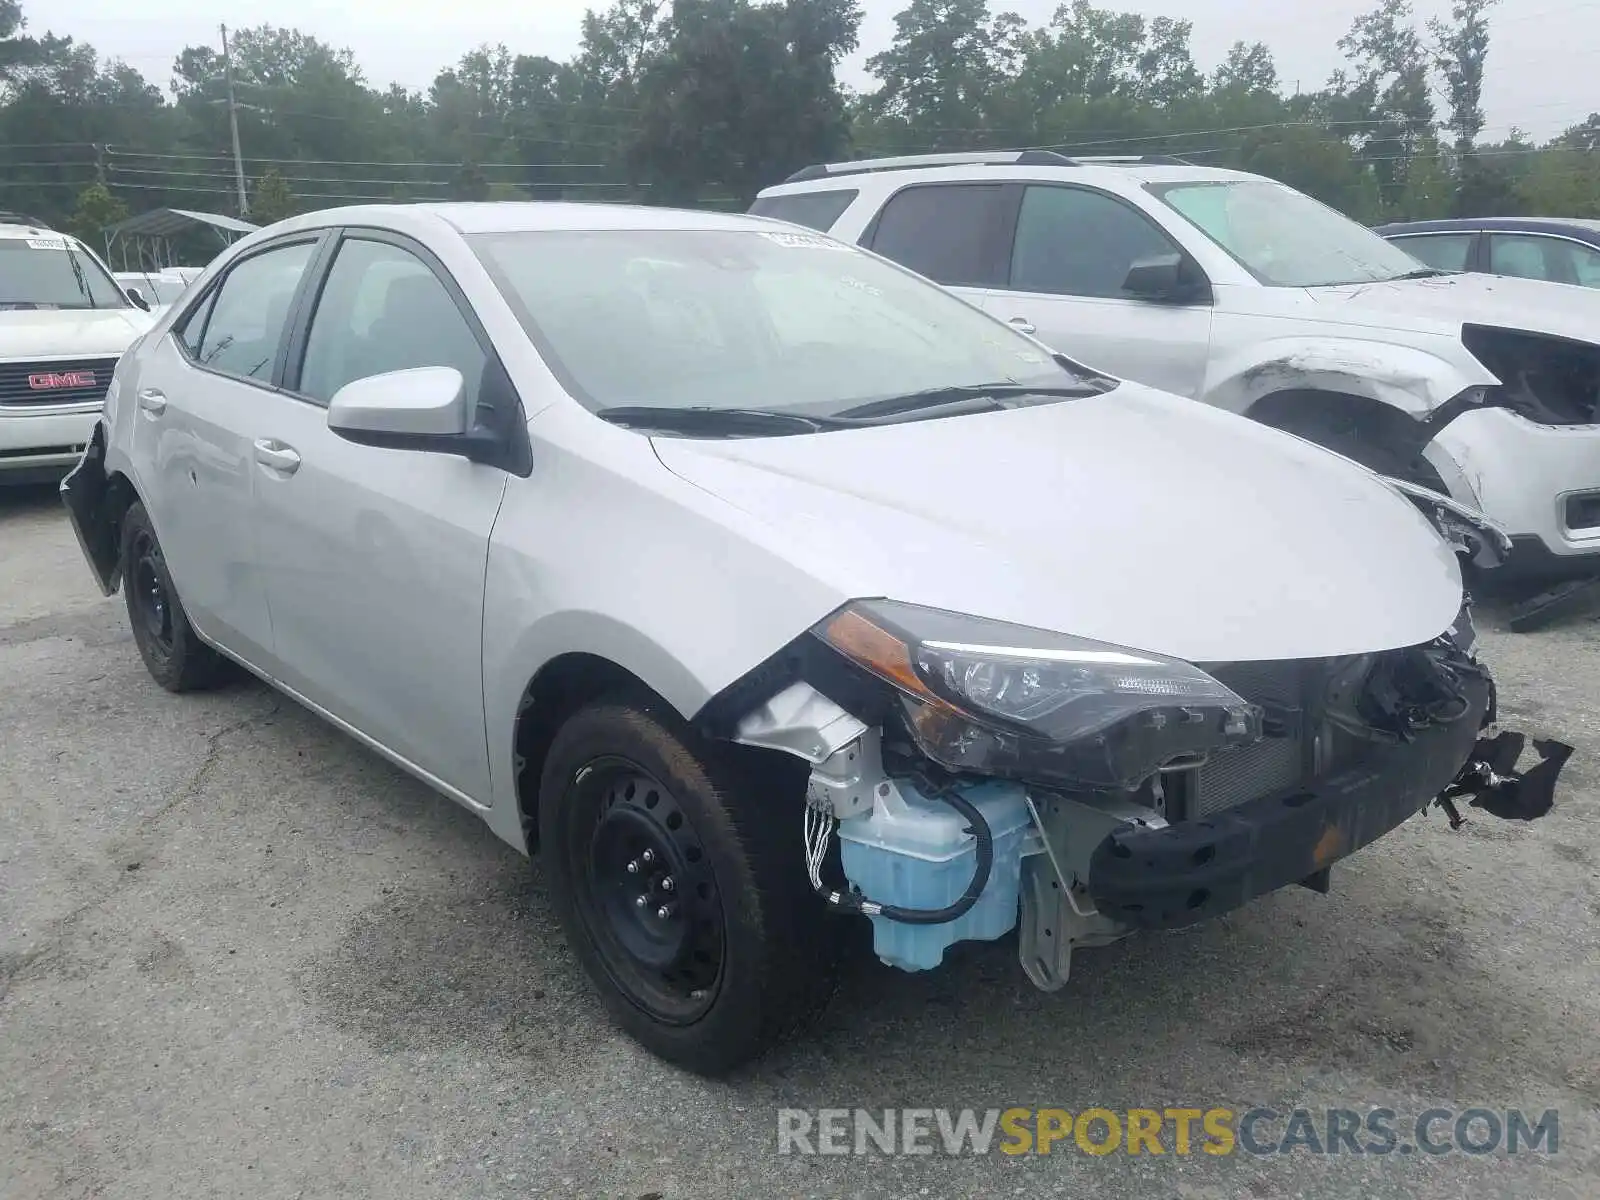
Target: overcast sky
{"x":1544,"y":62}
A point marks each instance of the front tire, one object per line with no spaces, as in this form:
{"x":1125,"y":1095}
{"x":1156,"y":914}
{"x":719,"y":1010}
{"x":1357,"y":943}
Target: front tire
{"x":173,"y":653}
{"x":678,"y":875}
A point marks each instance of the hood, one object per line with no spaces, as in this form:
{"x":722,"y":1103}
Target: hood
{"x":69,"y":332}
{"x":1533,"y":305}
{"x":1135,"y":517}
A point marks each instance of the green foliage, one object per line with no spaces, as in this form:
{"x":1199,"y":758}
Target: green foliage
{"x":272,"y":201}
{"x":706,"y":101}
{"x":96,"y":209}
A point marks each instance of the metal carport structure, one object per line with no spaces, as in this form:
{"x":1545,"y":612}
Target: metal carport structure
{"x":149,"y":236}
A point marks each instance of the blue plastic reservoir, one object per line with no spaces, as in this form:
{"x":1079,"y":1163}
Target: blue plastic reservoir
{"x":914,"y":851}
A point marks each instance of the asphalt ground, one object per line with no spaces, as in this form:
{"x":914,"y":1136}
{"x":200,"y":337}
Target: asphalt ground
{"x":241,"y":956}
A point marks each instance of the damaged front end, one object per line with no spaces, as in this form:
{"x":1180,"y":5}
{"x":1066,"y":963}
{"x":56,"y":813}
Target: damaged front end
{"x":982,"y":777}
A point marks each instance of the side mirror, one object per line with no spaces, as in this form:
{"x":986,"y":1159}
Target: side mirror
{"x":1165,"y":279}
{"x":138,"y":299}
{"x":423,"y":408}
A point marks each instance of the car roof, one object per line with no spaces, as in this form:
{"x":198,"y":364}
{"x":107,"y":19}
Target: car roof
{"x":14,"y":231}
{"x":1580,"y":226}
{"x":509,"y":216}
{"x":1110,"y":172}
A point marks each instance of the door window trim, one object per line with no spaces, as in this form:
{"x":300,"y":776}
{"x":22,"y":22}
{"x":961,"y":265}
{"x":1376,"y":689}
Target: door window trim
{"x":1001,"y":221}
{"x":1014,"y":212}
{"x":317,"y":239}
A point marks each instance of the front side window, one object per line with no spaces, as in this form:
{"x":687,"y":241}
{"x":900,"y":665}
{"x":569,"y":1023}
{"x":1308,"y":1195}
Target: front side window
{"x":947,"y":232}
{"x":383,"y":309}
{"x":1446,"y":251}
{"x":1076,"y":242}
{"x":53,"y":271}
{"x":742,"y":319}
{"x":1284,"y":237}
{"x":244,"y":325}
{"x":815,"y":210}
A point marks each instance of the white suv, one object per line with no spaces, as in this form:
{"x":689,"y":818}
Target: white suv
{"x":1246,"y":294}
{"x":64,"y":322}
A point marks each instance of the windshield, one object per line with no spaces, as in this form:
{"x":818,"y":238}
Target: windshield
{"x":1284,"y":237}
{"x":52,"y":271}
{"x":730,"y":319}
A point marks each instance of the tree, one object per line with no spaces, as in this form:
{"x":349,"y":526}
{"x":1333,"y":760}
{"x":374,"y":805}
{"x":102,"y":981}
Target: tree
{"x":96,"y":209}
{"x":1460,"y":49}
{"x":272,"y":200}
{"x":470,"y":183}
{"x":742,"y":94}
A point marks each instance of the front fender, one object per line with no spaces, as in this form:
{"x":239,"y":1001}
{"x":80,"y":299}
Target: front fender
{"x":1405,"y":378}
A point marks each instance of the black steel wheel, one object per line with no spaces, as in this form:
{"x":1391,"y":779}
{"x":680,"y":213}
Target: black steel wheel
{"x":676,"y":867}
{"x":649,"y":893}
{"x":173,"y":654}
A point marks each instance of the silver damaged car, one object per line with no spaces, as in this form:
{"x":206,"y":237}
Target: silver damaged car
{"x":765,"y":588}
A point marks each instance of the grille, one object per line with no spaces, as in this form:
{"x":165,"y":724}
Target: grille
{"x":1231,"y":777}
{"x":55,"y":381}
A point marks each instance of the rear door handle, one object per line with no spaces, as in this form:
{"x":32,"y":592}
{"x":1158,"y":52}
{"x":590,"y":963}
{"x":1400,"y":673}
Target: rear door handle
{"x":1023,"y":324}
{"x":276,"y":455}
{"x":153,"y":400}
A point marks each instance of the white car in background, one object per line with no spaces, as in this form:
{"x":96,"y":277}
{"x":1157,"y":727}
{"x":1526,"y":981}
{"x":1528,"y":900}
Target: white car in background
{"x":157,"y":289}
{"x":1243,"y":293}
{"x":64,"y":323}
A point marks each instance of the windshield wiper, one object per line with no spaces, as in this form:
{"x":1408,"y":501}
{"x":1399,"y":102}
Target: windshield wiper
{"x":77,"y":273}
{"x":756,"y":421}
{"x":978,"y":397}
{"x":1421,"y":273}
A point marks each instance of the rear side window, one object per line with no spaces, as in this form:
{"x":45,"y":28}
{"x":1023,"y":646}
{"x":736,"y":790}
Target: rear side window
{"x":815,"y":210}
{"x":948,"y":232}
{"x":1442,"y":251}
{"x":245,"y":326}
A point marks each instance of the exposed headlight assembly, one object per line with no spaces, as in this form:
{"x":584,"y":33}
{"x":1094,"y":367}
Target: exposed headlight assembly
{"x":1002,"y":699}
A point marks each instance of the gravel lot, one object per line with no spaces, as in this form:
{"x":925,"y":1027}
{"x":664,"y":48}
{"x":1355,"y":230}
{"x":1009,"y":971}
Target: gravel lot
{"x":241,"y":956}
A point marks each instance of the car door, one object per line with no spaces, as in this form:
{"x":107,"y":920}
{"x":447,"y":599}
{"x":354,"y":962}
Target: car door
{"x":374,"y":558}
{"x":952,"y":233}
{"x":1068,"y":259}
{"x":201,"y":393}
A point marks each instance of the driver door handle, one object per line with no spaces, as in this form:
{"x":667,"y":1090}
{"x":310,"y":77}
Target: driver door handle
{"x":153,"y":400}
{"x":276,"y":455}
{"x":1023,"y":324}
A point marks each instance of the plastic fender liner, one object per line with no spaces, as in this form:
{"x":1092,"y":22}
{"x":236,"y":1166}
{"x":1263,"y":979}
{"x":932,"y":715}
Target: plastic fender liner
{"x":86,"y":492}
{"x":1194,"y":870}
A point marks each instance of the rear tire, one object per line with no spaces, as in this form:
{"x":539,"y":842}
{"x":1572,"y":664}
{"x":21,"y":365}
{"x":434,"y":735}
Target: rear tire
{"x":173,"y":653}
{"x":634,"y":803}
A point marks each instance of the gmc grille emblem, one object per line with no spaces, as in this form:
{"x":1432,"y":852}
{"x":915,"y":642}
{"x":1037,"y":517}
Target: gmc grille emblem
{"x":64,"y":379}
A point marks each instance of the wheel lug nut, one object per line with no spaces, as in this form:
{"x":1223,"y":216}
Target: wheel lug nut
{"x":664,"y":911}
{"x":633,"y":867}
{"x":649,"y":856}
{"x":666,"y":883}
{"x":641,"y":900}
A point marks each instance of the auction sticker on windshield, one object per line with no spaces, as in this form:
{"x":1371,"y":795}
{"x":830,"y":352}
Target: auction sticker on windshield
{"x":46,"y":244}
{"x":805,"y":241}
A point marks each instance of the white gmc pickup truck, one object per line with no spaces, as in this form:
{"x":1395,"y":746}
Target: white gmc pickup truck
{"x":64,"y":322}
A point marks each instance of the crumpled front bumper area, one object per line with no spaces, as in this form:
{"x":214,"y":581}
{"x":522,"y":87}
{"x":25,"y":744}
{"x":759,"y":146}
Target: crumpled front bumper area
{"x":1179,"y":874}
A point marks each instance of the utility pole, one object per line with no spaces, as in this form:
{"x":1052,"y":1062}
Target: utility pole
{"x":233,"y":125}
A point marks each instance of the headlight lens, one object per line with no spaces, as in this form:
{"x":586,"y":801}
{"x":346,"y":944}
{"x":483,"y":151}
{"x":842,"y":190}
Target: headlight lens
{"x":989,"y":696}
